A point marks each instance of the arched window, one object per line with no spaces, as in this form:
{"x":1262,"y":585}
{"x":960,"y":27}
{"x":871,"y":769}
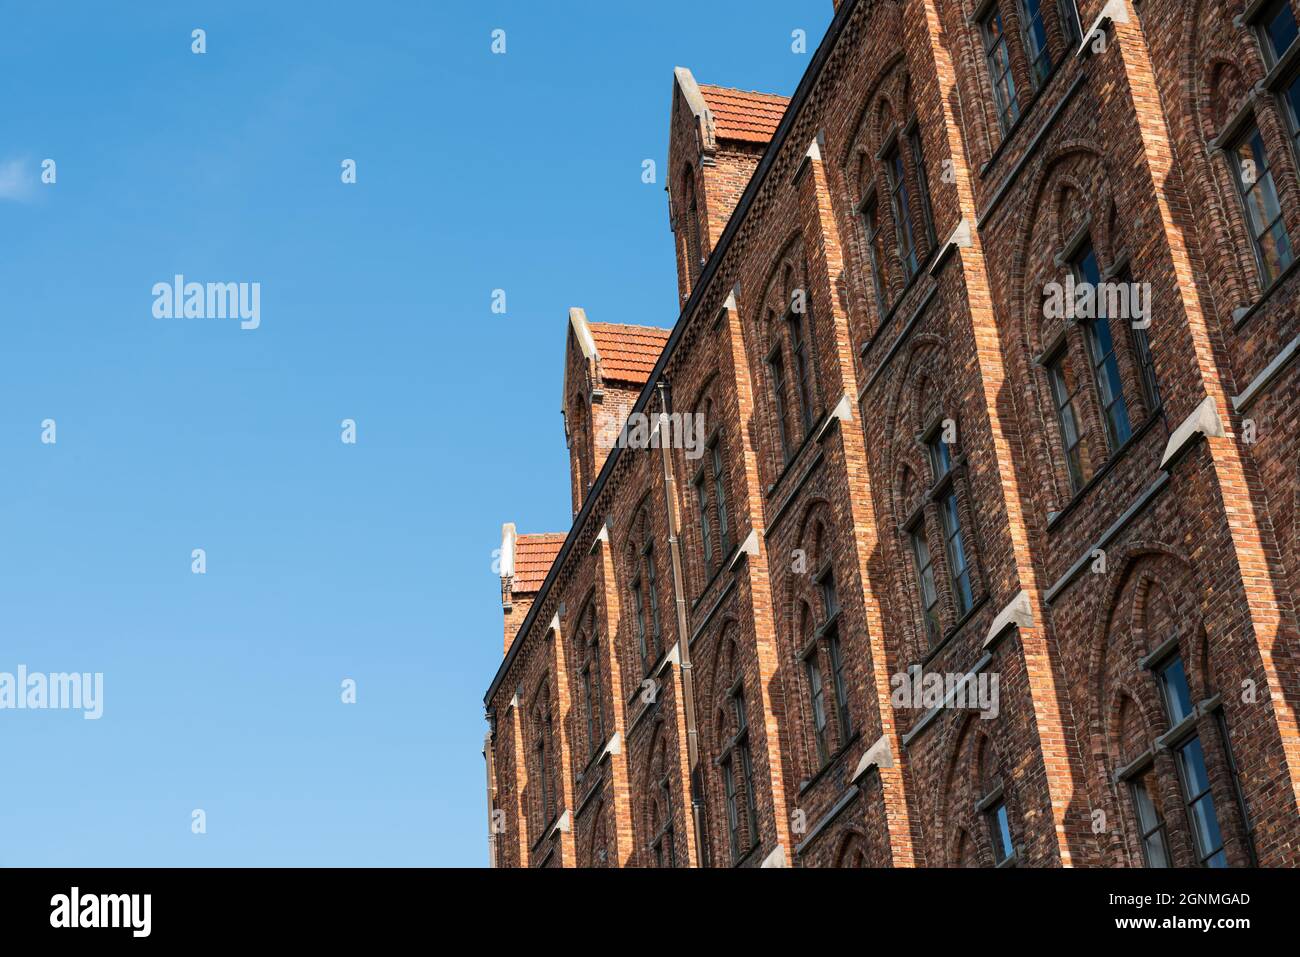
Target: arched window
{"x":821,"y":651}
{"x":853,"y":852}
{"x":937,"y":525}
{"x":599,"y":840}
{"x":587,"y":645}
{"x":992,"y":806}
{"x":985,"y":825}
{"x":663,"y":849}
{"x":543,"y":757}
{"x":1166,"y":729}
{"x":791,"y":352}
{"x":1019,"y":66}
{"x":1100,"y":367}
{"x":734,"y":760}
{"x":710,"y":487}
{"x":893,"y":194}
{"x":644,"y":590}
{"x":694,"y":237}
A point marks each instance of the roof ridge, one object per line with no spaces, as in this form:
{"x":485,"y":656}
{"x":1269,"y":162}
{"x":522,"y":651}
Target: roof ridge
{"x":736,"y":89}
{"x":631,"y":325}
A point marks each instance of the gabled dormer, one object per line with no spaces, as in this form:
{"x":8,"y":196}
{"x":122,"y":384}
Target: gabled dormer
{"x":606,"y":365}
{"x":716,"y":138}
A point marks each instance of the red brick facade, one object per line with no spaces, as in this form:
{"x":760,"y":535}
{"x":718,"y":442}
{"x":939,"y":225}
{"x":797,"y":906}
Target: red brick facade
{"x":913,"y":463}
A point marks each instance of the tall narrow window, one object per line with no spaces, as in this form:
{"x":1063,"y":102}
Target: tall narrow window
{"x":875,"y":254}
{"x":831,"y":635}
{"x":596,"y":702}
{"x":818,"y":695}
{"x":901,"y":204}
{"x":1291,"y":100}
{"x":958,"y":570}
{"x":1101,"y":350}
{"x":776,"y":367}
{"x":746,"y":764}
{"x":922,"y":184}
{"x":940,"y":457}
{"x":638,"y":609}
{"x":1258,"y":195}
{"x":799,"y":351}
{"x":1193,"y":777}
{"x":1035,"y":34}
{"x":661,"y":810}
{"x":1276,"y":25}
{"x":1146,"y":363}
{"x":589,"y":698}
{"x":1066,"y":392}
{"x":706,"y":534}
{"x":720,"y":497}
{"x":590,"y":647}
{"x":736,"y":759}
{"x":1070,"y":25}
{"x":925,"y":575}
{"x":830,"y":597}
{"x":1151,"y":823}
{"x":999,"y":64}
{"x":841,"y":686}
{"x":733,"y":811}
{"x":694,"y":242}
{"x":653,"y":592}
{"x":999,"y":832}
{"x":544,"y":765}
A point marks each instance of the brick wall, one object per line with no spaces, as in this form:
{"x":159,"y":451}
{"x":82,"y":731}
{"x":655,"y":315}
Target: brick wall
{"x":1135,"y":610}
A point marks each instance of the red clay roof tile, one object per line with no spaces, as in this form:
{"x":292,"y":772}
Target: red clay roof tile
{"x":743,"y":114}
{"x":534,"y":555}
{"x":628,"y":353}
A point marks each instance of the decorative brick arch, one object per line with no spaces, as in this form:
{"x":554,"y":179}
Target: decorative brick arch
{"x":974,"y":766}
{"x":659,"y":805}
{"x":917,"y":401}
{"x":853,"y":850}
{"x":594,"y":851}
{"x":1155,"y":595}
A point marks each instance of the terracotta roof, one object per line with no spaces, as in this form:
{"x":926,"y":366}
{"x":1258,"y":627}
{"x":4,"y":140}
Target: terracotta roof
{"x":628,"y":353}
{"x":742,"y":114}
{"x":534,"y":555}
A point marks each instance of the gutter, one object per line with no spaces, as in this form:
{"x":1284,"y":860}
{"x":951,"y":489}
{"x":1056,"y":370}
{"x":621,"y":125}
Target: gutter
{"x":801,"y":94}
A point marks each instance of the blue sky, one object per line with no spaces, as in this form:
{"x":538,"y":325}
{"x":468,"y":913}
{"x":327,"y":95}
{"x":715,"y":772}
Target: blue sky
{"x":325,"y":561}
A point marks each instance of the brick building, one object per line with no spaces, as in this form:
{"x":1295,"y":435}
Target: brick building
{"x":991,"y":326}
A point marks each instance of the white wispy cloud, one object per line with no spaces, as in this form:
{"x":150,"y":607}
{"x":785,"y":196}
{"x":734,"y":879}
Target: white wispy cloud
{"x":17,"y":181}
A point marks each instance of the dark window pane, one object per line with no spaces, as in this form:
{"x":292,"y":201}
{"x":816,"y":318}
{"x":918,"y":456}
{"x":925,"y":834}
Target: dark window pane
{"x":1279,"y":30}
{"x":901,"y":203}
{"x":1066,"y":392}
{"x":1263,"y":212}
{"x":1177,"y":695}
{"x":1035,"y":36}
{"x":818,"y":707}
{"x":958,"y":570}
{"x":999,"y":65}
